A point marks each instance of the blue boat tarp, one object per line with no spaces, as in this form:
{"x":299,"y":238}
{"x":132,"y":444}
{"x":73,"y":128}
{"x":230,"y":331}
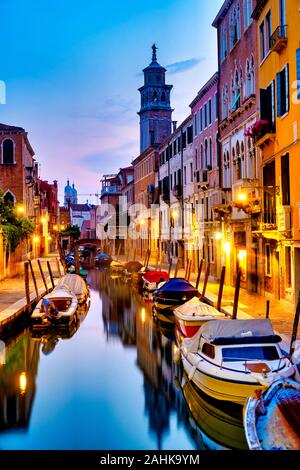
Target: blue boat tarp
{"x":176,"y":285}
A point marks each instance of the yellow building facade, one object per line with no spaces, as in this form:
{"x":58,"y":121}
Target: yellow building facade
{"x":277,"y":135}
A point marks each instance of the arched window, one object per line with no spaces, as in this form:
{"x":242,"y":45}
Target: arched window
{"x":210,"y":152}
{"x":154,"y":96}
{"x":9,"y":198}
{"x":163,"y":97}
{"x":8,"y":152}
{"x":224,"y":102}
{"x":239,"y":174}
{"x":252,"y":72}
{"x":248,"y":79}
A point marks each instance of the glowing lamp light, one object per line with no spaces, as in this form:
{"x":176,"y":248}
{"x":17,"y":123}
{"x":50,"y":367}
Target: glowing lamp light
{"x":23,"y":382}
{"x":49,"y":238}
{"x":55,"y":228}
{"x":227,"y":247}
{"x":20,"y":210}
{"x":175,"y":214}
{"x":43,"y":220}
{"x":242,"y":197}
{"x":242,"y":255}
{"x":218,"y":235}
{"x":36,"y":239}
{"x":143,"y":315}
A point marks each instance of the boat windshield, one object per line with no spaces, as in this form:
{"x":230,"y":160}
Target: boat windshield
{"x":246,"y":353}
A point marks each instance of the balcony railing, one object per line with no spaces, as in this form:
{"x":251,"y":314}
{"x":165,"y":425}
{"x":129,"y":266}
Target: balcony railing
{"x":279,"y":38}
{"x":246,"y":195}
{"x":265,"y":133}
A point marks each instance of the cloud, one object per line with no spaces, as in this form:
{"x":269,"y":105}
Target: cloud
{"x":110,"y":160}
{"x":183,"y":65}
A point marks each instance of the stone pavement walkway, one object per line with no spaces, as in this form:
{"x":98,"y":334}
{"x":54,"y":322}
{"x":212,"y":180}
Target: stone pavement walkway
{"x":13,"y":290}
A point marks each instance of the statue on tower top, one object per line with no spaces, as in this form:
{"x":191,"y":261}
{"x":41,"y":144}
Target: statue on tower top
{"x":154,"y":50}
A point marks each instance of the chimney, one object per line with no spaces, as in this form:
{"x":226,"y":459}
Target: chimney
{"x":174,"y":123}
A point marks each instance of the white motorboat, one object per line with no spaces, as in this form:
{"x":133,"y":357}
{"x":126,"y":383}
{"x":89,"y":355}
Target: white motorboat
{"x":230,"y":359}
{"x":57,"y":308}
{"x":76,"y":284}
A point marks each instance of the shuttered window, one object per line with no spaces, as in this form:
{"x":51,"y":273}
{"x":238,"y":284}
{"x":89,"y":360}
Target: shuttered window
{"x":283,"y":100}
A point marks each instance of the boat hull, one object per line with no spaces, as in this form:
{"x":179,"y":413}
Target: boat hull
{"x":224,"y":389}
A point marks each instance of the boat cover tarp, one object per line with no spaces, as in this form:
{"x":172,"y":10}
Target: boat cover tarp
{"x":103,"y":256}
{"x":116,"y":264}
{"x":196,"y":308}
{"x":215,"y":329}
{"x":177,"y":285}
{"x":156,"y":276}
{"x":75,"y":283}
{"x":133,"y":266}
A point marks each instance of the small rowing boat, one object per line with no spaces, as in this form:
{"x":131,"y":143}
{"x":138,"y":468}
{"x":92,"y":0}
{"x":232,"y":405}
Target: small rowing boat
{"x":152,"y":279}
{"x":77,"y":285}
{"x":190,"y":316}
{"x":272,"y":418}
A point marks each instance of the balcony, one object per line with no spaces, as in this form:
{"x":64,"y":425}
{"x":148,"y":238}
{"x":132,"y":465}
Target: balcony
{"x":177,"y":191}
{"x":111,"y":190}
{"x":279,"y":39}
{"x":275,"y":224}
{"x":246,"y":196}
{"x":262,"y":132}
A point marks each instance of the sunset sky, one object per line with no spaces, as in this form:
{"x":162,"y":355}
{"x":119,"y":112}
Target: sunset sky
{"x":72,"y":70}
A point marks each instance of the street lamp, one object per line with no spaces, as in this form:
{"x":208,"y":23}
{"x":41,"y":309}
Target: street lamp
{"x":20,"y":210}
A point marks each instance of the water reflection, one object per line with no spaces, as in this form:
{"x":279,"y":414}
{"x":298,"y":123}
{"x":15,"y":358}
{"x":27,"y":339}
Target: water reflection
{"x":117,"y":370}
{"x":17,"y":381}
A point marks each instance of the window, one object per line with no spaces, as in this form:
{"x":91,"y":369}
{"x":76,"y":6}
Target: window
{"x":163,"y":97}
{"x":8,"y":152}
{"x":268,"y":30}
{"x":196,"y":159}
{"x":224,"y":48}
{"x":248,"y":8}
{"x":196,"y":124}
{"x":224,"y":102}
{"x":184,"y":140}
{"x":190,"y":135}
{"x":170,"y":151}
{"x":205,"y":116}
{"x":282,"y":12}
{"x":285,"y":180}
{"x":9,"y":198}
{"x":171,"y":181}
{"x":201,"y":157}
{"x":206,"y":153}
{"x":268,"y":260}
{"x":174,"y":147}
{"x":249,"y":353}
{"x":209,"y":112}
{"x":263,"y":51}
{"x":184,"y":175}
{"x":235,"y":26}
{"x":267,"y":104}
{"x":208,"y":350}
{"x":210,"y":154}
{"x":191,"y":171}
{"x":283,"y":91}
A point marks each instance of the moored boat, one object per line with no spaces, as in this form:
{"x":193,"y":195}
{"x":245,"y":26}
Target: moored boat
{"x":117,"y":267}
{"x":272,"y":418}
{"x":102,"y":260}
{"x":230,"y":359}
{"x":152,"y":279}
{"x":190,"y":316}
{"x":76,"y":285}
{"x":57,"y":308}
{"x":172,"y":294}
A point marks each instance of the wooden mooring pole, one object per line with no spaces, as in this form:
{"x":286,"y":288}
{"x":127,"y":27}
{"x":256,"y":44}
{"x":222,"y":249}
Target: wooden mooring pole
{"x":221,"y":287}
{"x":199,"y":274}
{"x":27,"y":286}
{"x":170,"y":267}
{"x":207,"y":273}
{"x":176,"y":268}
{"x":295,"y":328}
{"x":268,"y":309}
{"x":187,"y":268}
{"x":236,"y":295}
{"x":76,"y":256}
{"x":189,"y":271}
{"x":34,"y":280}
{"x":50,"y":274}
{"x":43,"y":276}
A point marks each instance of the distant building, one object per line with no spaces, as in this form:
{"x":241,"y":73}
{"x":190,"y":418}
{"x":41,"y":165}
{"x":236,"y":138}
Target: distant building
{"x":49,"y":213}
{"x":70,"y":195}
{"x":64,"y":216}
{"x":79,"y":213}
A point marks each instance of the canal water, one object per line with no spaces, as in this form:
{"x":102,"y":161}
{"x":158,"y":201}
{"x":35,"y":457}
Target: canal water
{"x":112,"y":385}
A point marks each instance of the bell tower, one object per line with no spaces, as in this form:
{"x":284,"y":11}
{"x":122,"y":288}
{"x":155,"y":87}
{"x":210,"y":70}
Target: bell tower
{"x":156,"y":112}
